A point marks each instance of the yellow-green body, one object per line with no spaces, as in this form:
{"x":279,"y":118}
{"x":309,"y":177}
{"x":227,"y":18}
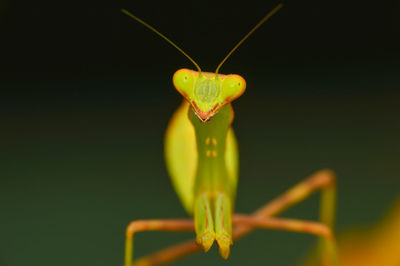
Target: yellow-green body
{"x":201,"y":153}
{"x":181,"y":155}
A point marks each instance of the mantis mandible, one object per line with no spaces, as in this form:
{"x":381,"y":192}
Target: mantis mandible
{"x":201,"y":154}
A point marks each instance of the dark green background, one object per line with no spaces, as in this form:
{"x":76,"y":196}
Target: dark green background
{"x":86,"y":95}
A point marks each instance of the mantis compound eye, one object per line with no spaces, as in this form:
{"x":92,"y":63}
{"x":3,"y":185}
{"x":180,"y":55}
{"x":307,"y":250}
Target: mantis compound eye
{"x":183,"y":80}
{"x":233,"y":87}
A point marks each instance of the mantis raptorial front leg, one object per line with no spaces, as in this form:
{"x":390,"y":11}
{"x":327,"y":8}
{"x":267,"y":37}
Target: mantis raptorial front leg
{"x":223,"y":226}
{"x":263,"y":218}
{"x":204,"y":223}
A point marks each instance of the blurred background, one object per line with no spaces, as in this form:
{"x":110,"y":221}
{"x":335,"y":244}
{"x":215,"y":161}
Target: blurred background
{"x":86,"y":95}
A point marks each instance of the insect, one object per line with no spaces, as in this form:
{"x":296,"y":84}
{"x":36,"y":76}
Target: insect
{"x":201,"y":154}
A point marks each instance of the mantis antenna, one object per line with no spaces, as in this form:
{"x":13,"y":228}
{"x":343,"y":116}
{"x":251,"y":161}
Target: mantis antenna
{"x":161,"y":35}
{"x":265,"y":18}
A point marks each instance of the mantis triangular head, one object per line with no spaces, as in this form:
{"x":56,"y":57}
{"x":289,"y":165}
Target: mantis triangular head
{"x":207,"y":92}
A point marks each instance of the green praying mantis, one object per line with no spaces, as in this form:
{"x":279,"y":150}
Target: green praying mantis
{"x":201,"y":153}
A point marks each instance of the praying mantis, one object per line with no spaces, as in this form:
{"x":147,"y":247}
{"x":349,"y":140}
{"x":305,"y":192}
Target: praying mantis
{"x":201,"y":154}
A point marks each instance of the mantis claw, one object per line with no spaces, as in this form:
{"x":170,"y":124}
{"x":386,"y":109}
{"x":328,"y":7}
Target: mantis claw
{"x":206,"y":240}
{"x":223,"y":224}
{"x":204,"y":224}
{"x":224,"y":242}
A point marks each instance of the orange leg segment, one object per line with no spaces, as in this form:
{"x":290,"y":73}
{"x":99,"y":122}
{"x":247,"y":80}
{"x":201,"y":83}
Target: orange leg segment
{"x":323,"y":180}
{"x":153,"y":225}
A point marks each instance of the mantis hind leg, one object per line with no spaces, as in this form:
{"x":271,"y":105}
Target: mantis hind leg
{"x":327,"y":246}
{"x":203,"y":222}
{"x":324,"y":180}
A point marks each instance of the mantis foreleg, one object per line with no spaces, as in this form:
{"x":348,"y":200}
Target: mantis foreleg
{"x":205,"y":228}
{"x":223,"y":224}
{"x":204,"y":225}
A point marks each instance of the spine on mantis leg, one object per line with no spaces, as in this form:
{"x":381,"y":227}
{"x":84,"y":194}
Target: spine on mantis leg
{"x":213,"y":201}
